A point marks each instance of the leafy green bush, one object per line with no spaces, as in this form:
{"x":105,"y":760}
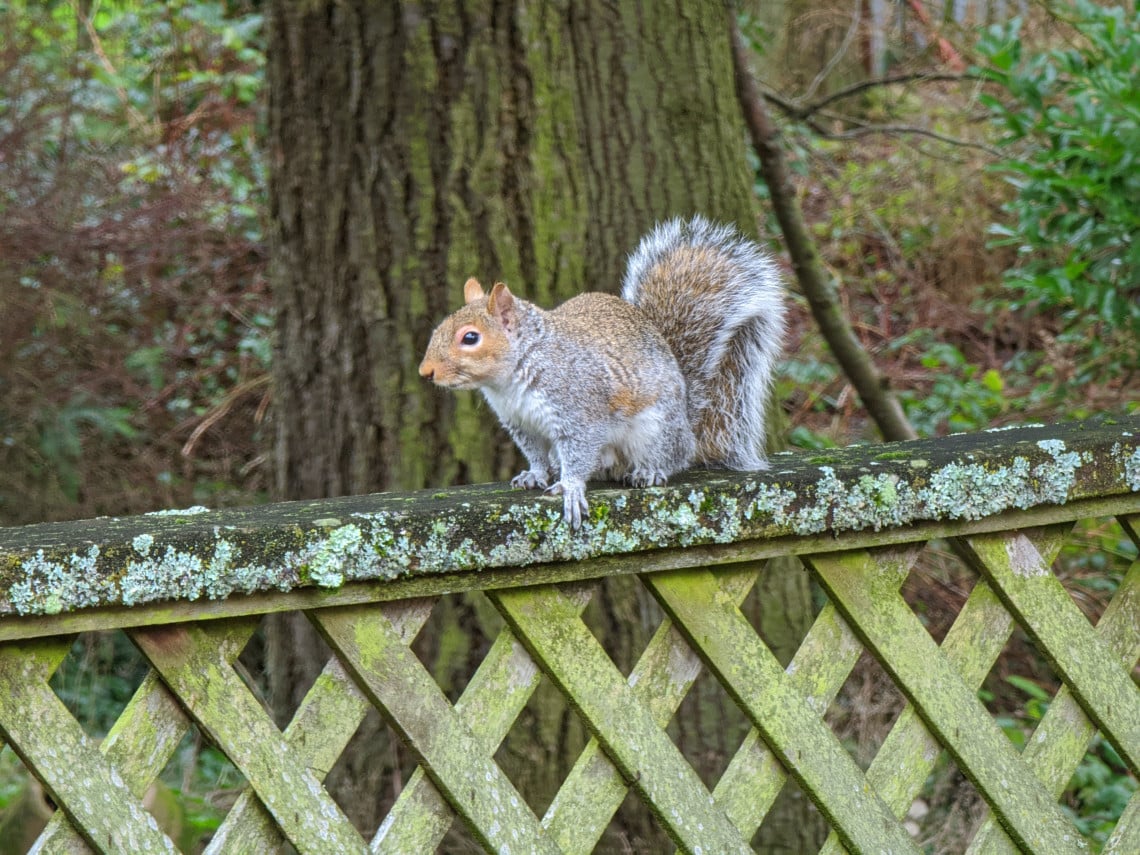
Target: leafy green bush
{"x":1070,"y":120}
{"x":135,"y":308}
{"x":962,"y":396}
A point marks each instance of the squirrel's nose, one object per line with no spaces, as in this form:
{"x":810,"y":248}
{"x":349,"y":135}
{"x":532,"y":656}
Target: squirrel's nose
{"x":427,"y":371}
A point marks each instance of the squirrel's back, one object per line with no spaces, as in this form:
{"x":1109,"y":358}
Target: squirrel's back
{"x":717,"y":299}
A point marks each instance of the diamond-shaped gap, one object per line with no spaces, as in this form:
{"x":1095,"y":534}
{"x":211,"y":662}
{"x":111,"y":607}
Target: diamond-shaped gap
{"x":773,"y":605}
{"x":634,"y":830}
{"x":623,"y":616}
{"x":865,"y":709}
{"x":1019,"y":688}
{"x":371,"y":771}
{"x":937,"y":586}
{"x":1098,"y":792}
{"x":792,"y":824}
{"x":542,"y":745}
{"x":454,"y":640}
{"x":946,"y":815}
{"x":1092,"y":563}
{"x":97,"y":678}
{"x":194,"y":792}
{"x":459,"y":841}
{"x":708,"y":728}
{"x":1018,"y":691}
{"x":287,"y":645}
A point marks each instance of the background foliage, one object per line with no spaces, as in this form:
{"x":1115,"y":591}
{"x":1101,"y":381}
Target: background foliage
{"x":1069,"y":119}
{"x":131,"y":203}
{"x":986,"y":248}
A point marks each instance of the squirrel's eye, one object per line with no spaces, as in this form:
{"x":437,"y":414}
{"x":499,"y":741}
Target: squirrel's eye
{"x":470,"y":337}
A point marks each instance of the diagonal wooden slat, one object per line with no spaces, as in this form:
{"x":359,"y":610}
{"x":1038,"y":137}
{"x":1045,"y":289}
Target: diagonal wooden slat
{"x":223,"y":706}
{"x":143,"y":739}
{"x":322,"y":726}
{"x":496,"y":695}
{"x":824,"y":660}
{"x":948,"y":705}
{"x":1125,"y":838}
{"x":493,"y":699}
{"x":1062,"y":736}
{"x":594,"y":789}
{"x":1062,"y":633}
{"x":395,"y":680}
{"x":972,"y":644}
{"x":38,"y":727}
{"x":566,"y":650}
{"x":789,"y":723}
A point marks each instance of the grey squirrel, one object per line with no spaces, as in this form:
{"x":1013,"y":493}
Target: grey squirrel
{"x":674,"y":373}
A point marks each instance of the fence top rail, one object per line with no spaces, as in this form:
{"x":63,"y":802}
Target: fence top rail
{"x":177,"y":564}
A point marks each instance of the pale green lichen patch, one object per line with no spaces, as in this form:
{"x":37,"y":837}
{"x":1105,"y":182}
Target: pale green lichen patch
{"x":49,"y":587}
{"x":1132,"y":470}
{"x":142,"y":544}
{"x":197,"y":554}
{"x":184,"y":575}
{"x":956,"y":491}
{"x":771,"y":500}
{"x":179,"y":512}
{"x":328,"y":558}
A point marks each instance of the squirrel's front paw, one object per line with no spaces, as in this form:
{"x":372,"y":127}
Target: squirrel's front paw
{"x":531,"y":479}
{"x":574,"y":505}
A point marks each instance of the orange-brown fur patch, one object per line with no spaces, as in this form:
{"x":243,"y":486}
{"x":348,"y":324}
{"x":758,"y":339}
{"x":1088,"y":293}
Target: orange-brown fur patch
{"x":630,"y":403}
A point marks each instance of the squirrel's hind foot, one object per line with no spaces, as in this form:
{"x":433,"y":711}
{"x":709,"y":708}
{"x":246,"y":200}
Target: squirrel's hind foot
{"x":646,"y":478}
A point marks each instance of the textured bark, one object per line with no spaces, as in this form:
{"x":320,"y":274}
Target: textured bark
{"x":413,"y":145}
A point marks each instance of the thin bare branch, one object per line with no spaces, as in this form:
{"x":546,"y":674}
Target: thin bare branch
{"x":817,"y":286}
{"x":137,"y":119}
{"x":863,"y":130}
{"x":840,"y":52}
{"x":803,"y":110}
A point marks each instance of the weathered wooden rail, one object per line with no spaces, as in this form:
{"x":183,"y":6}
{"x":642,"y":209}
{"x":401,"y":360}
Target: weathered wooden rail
{"x":366,"y":571}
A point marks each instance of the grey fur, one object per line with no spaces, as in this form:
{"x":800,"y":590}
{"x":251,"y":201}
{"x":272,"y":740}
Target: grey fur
{"x":728,"y":342}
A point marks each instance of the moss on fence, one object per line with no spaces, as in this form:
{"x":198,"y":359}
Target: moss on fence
{"x":181,"y":556}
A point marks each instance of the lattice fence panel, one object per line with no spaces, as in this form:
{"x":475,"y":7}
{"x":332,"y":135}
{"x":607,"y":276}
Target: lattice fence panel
{"x":99,"y":787}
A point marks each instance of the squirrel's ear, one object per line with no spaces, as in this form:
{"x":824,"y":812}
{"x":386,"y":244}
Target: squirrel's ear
{"x":501,"y":304}
{"x":472,"y":290}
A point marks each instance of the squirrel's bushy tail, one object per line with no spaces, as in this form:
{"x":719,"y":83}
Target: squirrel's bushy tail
{"x":716,"y":297}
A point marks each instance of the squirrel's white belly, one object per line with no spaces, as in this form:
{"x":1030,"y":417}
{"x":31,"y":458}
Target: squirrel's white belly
{"x":636,"y":438}
{"x":524,"y":409}
{"x":644,"y":447}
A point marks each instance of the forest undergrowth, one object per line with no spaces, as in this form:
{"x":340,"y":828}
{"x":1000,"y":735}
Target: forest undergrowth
{"x":136,"y":331}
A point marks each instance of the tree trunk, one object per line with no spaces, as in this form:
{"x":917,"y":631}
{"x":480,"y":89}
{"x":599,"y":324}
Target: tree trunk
{"x":412,"y":145}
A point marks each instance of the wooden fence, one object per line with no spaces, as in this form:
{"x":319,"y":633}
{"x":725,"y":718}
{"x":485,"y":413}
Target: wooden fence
{"x":189,"y":587}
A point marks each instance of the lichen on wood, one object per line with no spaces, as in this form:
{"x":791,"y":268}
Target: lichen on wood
{"x":195,"y":554}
